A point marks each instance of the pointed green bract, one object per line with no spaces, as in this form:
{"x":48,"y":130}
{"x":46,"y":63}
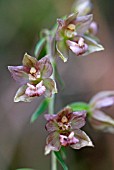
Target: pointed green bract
{"x":62,"y":50}
{"x":39,"y":47}
{"x":58,"y":77}
{"x":79,"y":106}
{"x":60,"y":159}
{"x":42,"y":107}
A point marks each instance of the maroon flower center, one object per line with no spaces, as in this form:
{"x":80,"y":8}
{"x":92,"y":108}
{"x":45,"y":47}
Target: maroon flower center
{"x":64,"y":124}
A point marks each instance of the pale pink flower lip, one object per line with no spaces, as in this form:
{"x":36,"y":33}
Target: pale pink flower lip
{"x":37,"y":90}
{"x":34,"y":76}
{"x":64,"y":130}
{"x":78,"y":47}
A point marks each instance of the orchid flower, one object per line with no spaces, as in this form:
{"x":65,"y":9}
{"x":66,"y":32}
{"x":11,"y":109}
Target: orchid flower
{"x":72,"y":36}
{"x":34,"y":77}
{"x":64,"y":130}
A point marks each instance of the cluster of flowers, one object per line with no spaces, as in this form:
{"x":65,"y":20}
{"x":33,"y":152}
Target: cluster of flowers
{"x":76,"y":35}
{"x":64,"y":127}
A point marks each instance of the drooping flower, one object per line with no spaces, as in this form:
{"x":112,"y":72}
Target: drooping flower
{"x":64,"y":130}
{"x":34,"y":77}
{"x":99,"y":119}
{"x":72,"y":35}
{"x":84,"y":7}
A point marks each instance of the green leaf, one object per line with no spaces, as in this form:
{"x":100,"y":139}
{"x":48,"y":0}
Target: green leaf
{"x":42,"y":107}
{"x":25,"y":169}
{"x":63,"y":152}
{"x":60,"y":159}
{"x":39,"y":47}
{"x":79,"y":106}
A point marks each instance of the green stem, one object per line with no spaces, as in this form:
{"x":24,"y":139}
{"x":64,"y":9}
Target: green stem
{"x":50,"y":51}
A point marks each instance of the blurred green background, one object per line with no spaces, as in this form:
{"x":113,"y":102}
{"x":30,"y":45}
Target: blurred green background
{"x":21,"y":143}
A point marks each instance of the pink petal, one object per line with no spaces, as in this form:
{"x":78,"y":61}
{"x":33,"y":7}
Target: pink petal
{"x":70,"y":18}
{"x":83,"y":23}
{"x":49,"y":148}
{"x":61,"y":23}
{"x":45,"y":67}
{"x":80,"y":114}
{"x":19,"y":73}
{"x":84,"y":140}
{"x":50,"y":87}
{"x":78,"y":119}
{"x":93,"y":45}
{"x":21,"y":96}
{"x":52,"y":126}
{"x":52,"y":142}
{"x":102,"y":99}
{"x":49,"y":116}
{"x":77,"y":123}
{"x":109,"y":101}
{"x":101,"y":121}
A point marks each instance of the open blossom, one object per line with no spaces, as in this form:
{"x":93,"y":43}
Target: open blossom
{"x":98,"y":119}
{"x":64,"y":130}
{"x":73,"y":35}
{"x":34,"y":77}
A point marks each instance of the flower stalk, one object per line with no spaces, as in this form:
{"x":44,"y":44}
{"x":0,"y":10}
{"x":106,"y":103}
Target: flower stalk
{"x":50,"y":51}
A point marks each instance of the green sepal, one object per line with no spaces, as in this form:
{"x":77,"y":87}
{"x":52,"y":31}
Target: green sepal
{"x":39,"y":47}
{"x":80,"y":106}
{"x":60,"y":159}
{"x":42,"y":107}
{"x":58,"y":77}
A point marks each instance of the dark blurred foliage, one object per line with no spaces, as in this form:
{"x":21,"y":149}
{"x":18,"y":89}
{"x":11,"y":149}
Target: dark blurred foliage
{"x":22,"y":143}
{"x":107,"y":10}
